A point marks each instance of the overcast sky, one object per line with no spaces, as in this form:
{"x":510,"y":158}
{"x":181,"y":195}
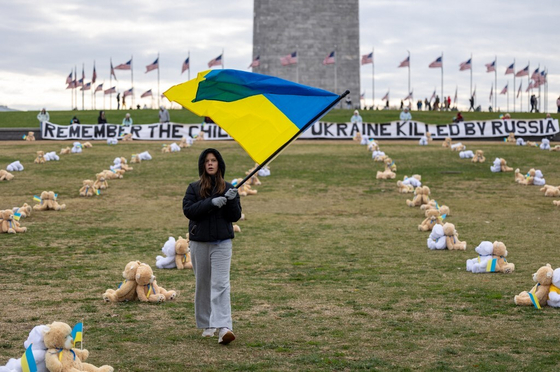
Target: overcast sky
{"x":42,"y":41}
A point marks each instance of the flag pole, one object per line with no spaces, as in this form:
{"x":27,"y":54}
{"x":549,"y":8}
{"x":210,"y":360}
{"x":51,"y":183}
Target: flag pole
{"x":528,"y":83}
{"x":72,"y":96}
{"x":514,"y":73}
{"x":297,"y":65}
{"x":372,"y":80}
{"x":335,"y":68}
{"x":83,"y":82}
{"x":271,"y":157}
{"x":408,"y":71}
{"x":75,"y":89}
{"x":158,"y":94}
{"x":441,"y":80}
{"x":189,"y":70}
{"x":496,"y":82}
{"x":132,"y":81}
{"x":110,"y":86}
{"x":471,"y":83}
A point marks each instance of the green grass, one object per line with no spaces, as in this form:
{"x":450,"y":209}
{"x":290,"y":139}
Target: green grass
{"x":28,"y":119}
{"x":329,"y":272}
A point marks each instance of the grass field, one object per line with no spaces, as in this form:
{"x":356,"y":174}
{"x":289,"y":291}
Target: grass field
{"x":28,"y":119}
{"x":329,"y":272}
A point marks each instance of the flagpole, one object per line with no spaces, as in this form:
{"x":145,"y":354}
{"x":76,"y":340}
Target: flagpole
{"x":75,"y":91}
{"x":514,"y":73}
{"x":158,"y":94}
{"x":83,"y":82}
{"x":132,"y":81}
{"x":372,"y":80}
{"x":441,"y":80}
{"x":408,"y":72}
{"x":110,"y":86}
{"x":72,"y":96}
{"x":496,"y":82}
{"x":528,"y":83}
{"x":309,"y":123}
{"x":471,"y":83}
{"x":189,"y":70}
{"x":297,"y":66}
{"x":507,"y":97}
{"x":335,"y":68}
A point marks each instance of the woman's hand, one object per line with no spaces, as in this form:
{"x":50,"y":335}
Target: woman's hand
{"x":219,"y":201}
{"x":231,"y":194}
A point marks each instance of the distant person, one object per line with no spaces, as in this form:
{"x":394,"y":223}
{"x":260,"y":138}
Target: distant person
{"x":558,"y":104}
{"x":436,"y":103}
{"x":533,"y":103}
{"x":356,"y":118}
{"x":138,"y":107}
{"x":101,"y":119}
{"x":471,"y":102}
{"x":405,"y":115}
{"x":163,"y":115}
{"x":145,"y":107}
{"x":387,"y":105}
{"x":118,"y":101}
{"x":123,"y":101}
{"x":458,"y":118}
{"x":448,"y":102}
{"x":127,"y":121}
{"x":75,"y":120}
{"x":419,"y":105}
{"x":43,"y":115}
{"x":348,"y":102}
{"x":402,"y":104}
{"x":427,"y":104}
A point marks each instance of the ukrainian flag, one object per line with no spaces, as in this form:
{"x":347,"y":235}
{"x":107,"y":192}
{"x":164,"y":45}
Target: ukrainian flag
{"x":77,"y":332}
{"x":262,"y":113}
{"x":28,"y":361}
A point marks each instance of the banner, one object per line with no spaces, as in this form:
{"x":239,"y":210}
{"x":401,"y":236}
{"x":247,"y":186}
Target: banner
{"x":319,"y":130}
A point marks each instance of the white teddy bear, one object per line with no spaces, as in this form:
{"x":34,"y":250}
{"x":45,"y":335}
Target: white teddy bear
{"x":539,"y":180}
{"x":15,"y":166}
{"x":545,"y":144}
{"x":377,"y":154}
{"x":497,"y":166}
{"x":175,"y":147}
{"x":372,"y":144}
{"x":145,"y":155}
{"x":478,"y":264}
{"x":437,"y":240}
{"x":116,"y":164}
{"x":76,"y":147}
{"x":264,"y":171}
{"x":458,"y":144}
{"x":423,"y":141}
{"x":112,"y":141}
{"x":38,"y":348}
{"x":520,"y":142}
{"x":167,"y":261}
{"x":554,"y":291}
{"x":413,"y":181}
{"x":466,"y":154}
{"x":364,"y":141}
{"x":51,"y":156}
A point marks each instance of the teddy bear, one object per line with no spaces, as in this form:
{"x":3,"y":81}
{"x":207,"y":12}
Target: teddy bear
{"x":496,"y":166}
{"x":404,"y":189}
{"x":127,"y":289}
{"x":378,"y":155}
{"x":357,"y":137}
{"x":443,"y":210}
{"x":88,"y":188}
{"x":385,"y":175}
{"x":147,"y":288}
{"x":511,"y":137}
{"x":504,"y":167}
{"x":135,"y":158}
{"x":40,"y":159}
{"x":124,"y":165}
{"x":61,"y":356}
{"x":165,"y":148}
{"x":414,"y":180}
{"x":525,"y":179}
{"x":550,"y":190}
{"x":446,"y":142}
{"x":5,"y":175}
{"x":452,"y":238}
{"x":430,"y":220}
{"x":429,"y":137}
{"x":24,"y":210}
{"x":49,"y":156}
{"x":479,"y":157}
{"x":167,"y":261}
{"x":479,"y":264}
{"x":145,"y":155}
{"x":437,"y":239}
{"x":417,"y":200}
{"x":29,"y":137}
{"x":199,"y":137}
{"x":264,"y":171}
{"x":545,"y":144}
{"x":556,"y":203}
{"x":48,"y":201}
{"x":555,"y":148}
{"x":76,"y":148}
{"x":423,"y":141}
{"x":532,"y":144}
{"x":183,"y":252}
{"x":539,"y":180}
{"x":112,"y":141}
{"x":100,"y":183}
{"x":425,"y":194}
{"x":174,"y":147}
{"x":245,"y":189}
{"x":186,"y":142}
{"x":390,"y":165}
{"x":127,"y":137}
{"x":499,"y":254}
{"x":458,"y":147}
{"x":520,"y":142}
{"x":554,"y":290}
{"x":372,"y":145}
{"x":113,"y":174}
{"x":540,"y":292}
{"x":8,"y":224}
{"x":65,"y":151}
{"x":236,"y":228}
{"x":87,"y":145}
{"x":466,"y":154}
{"x":35,"y":340}
{"x":14,"y":167}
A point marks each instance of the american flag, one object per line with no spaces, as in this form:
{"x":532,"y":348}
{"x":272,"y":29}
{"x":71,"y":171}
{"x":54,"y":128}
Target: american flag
{"x":367,"y":58}
{"x":385,"y":97}
{"x":405,"y":63}
{"x":519,"y":90}
{"x":535,"y":75}
{"x":80,"y":83}
{"x":330,"y":59}
{"x":529,"y":87}
{"x":113,"y":71}
{"x":256,"y":62}
{"x":510,"y":69}
{"x":540,"y":79}
{"x":127,"y":92}
{"x":491,"y":92}
{"x":491,"y":67}
{"x":409,"y":96}
{"x":111,"y":90}
{"x":474,"y":92}
{"x":437,"y":63}
{"x":433,"y":95}
{"x":69,"y":78}
{"x":99,"y":88}
{"x":153,"y":66}
{"x":83,"y":76}
{"x":186,"y":65}
{"x":504,"y":91}
{"x":86,"y":87}
{"x":216,"y":61}
{"x":71,"y":85}
{"x":524,"y":72}
{"x":147,"y":93}
{"x":363,"y":95}
{"x":94,"y":75}
{"x":124,"y":66}
{"x":290,"y":59}
{"x":466,"y":65}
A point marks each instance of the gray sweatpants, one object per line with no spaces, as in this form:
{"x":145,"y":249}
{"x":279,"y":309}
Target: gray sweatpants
{"x":211,"y":263}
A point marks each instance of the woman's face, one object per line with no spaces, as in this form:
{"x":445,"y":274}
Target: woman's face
{"x":211,"y":164}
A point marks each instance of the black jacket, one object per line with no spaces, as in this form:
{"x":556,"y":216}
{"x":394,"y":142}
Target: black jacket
{"x":208,"y":223}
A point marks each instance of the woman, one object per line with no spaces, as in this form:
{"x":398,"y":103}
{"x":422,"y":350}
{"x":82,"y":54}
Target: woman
{"x":211,"y":205}
{"x":101,"y":119}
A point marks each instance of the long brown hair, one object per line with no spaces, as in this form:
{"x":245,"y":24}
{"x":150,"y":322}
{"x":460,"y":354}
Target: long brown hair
{"x":206,"y":187}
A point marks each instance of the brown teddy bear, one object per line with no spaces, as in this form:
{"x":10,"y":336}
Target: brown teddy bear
{"x":550,"y":190}
{"x":113,"y":174}
{"x":165,"y":148}
{"x":357,"y":137}
{"x":87,"y":145}
{"x":446,"y":142}
{"x":125,"y":166}
{"x":429,"y":137}
{"x":511,"y":138}
{"x":452,"y":238}
{"x":385,"y":175}
{"x":184,"y":143}
{"x":425,"y":194}
{"x":147,"y":288}
{"x":183,"y":253}
{"x":478,"y":157}
{"x":40,"y":159}
{"x":100,"y":183}
{"x":29,"y":137}
{"x":532,"y":144}
{"x":390,"y":165}
{"x":65,"y":151}
{"x":5,"y":175}
{"x":432,"y":218}
{"x":127,"y":137}
{"x":403,"y":188}
{"x":8,"y":224}
{"x":556,"y":203}
{"x":48,"y":202}
{"x":236,"y":228}
{"x":555,"y":148}
{"x":417,"y":200}
{"x":24,"y":210}
{"x":61,"y":356}
{"x":543,"y":277}
{"x":87,"y":189}
{"x":504,"y":167}
{"x":127,"y":289}
{"x":527,"y":179}
{"x":245,"y":189}
{"x":135,"y":158}
{"x":499,"y":253}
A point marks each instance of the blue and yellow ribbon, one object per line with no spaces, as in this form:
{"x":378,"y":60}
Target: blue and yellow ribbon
{"x":491,"y":265}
